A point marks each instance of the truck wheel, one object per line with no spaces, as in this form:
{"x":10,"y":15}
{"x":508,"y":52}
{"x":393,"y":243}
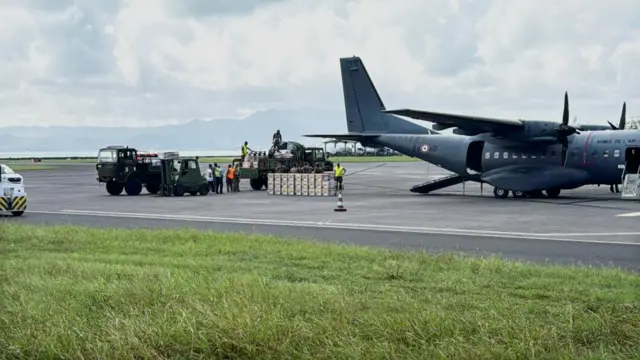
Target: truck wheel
{"x":17,"y":213}
{"x":256,"y":184}
{"x":204,"y":190}
{"x":178,"y":190}
{"x":114,"y":188}
{"x":133,"y":187}
{"x":152,"y":188}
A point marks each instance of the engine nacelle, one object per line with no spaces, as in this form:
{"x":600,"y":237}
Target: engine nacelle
{"x":440,"y":127}
{"x":459,"y":131}
{"x":539,"y":129}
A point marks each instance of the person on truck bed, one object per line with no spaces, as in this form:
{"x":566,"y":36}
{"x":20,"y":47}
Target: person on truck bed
{"x":306,"y":169}
{"x":244,"y":151}
{"x":277,"y":140}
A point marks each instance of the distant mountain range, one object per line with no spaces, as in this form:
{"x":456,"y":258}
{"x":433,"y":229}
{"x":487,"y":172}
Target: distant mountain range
{"x":215,"y":135}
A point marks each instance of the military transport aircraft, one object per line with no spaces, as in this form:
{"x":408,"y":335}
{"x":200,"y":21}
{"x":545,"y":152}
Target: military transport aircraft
{"x":524,"y":157}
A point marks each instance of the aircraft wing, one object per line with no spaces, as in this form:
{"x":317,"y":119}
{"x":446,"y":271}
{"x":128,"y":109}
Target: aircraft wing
{"x":351,"y":136}
{"x":467,"y":123}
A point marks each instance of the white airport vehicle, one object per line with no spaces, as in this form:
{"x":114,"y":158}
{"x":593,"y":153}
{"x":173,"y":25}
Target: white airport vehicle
{"x":13,"y":197}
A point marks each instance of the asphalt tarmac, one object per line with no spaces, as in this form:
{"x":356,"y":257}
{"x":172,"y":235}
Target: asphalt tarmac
{"x":584,"y":226}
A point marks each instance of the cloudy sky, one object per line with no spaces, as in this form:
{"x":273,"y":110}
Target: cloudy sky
{"x":134,"y":62}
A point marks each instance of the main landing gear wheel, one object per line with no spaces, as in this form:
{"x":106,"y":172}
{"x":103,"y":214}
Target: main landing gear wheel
{"x":500,"y":193}
{"x":553,"y":193}
{"x":519,"y":194}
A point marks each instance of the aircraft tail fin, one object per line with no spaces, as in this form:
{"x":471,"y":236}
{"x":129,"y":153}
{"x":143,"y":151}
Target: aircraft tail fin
{"x":363,"y":105}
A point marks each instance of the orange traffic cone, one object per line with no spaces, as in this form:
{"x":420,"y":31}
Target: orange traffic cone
{"x":340,"y":206}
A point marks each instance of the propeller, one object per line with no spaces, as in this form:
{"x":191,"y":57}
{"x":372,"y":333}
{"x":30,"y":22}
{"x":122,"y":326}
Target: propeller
{"x":623,"y":118}
{"x":564,"y":130}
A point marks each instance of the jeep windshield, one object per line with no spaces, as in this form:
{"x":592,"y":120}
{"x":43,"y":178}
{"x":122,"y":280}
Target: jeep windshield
{"x":107,"y":156}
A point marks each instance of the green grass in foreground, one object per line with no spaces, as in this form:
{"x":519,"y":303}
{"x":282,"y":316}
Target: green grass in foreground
{"x":124,"y":294}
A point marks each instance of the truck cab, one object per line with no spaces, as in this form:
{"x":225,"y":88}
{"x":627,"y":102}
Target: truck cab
{"x":13,"y":197}
{"x":125,"y":168}
{"x":315,"y":156}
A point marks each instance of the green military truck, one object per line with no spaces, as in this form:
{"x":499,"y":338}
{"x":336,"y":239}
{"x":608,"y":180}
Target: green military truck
{"x":288,"y":155}
{"x":125,"y":168}
{"x":122,"y":168}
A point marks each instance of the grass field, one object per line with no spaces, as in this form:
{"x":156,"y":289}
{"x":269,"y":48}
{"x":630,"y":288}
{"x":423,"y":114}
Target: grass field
{"x":95,"y":293}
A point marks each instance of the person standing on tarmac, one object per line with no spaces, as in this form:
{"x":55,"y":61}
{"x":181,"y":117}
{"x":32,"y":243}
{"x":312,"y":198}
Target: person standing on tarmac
{"x":339,"y":174}
{"x":230,"y":173}
{"x":236,"y":178}
{"x":218,"y":178}
{"x":210,"y":178}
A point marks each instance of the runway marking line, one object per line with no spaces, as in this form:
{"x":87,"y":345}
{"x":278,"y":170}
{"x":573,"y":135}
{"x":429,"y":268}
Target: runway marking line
{"x":344,"y":226}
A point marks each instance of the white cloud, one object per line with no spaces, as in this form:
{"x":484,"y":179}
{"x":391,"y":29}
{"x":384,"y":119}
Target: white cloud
{"x":151,"y":61}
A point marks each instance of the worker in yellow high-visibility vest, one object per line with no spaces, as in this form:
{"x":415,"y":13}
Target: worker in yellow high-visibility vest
{"x":339,"y":174}
{"x":244,"y":150}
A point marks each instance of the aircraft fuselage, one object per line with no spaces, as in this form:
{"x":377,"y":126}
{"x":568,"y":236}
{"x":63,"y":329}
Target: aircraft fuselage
{"x":596,"y":157}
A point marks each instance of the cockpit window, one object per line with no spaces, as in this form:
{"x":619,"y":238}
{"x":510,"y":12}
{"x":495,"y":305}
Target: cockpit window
{"x":107,"y":156}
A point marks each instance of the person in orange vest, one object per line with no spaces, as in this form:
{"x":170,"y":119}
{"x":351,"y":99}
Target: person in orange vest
{"x":230,"y":176}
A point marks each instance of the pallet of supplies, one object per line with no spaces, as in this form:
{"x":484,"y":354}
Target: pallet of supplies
{"x":270,"y":183}
{"x":304,"y":185}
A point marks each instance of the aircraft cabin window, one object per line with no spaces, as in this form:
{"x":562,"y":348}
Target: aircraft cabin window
{"x":514,"y":155}
{"x":533,"y":154}
{"x":524,"y":155}
{"x":605,"y":153}
{"x":616,"y":153}
{"x":505,"y":155}
{"x":594,"y":153}
{"x":487,"y":155}
{"x":496,"y":155}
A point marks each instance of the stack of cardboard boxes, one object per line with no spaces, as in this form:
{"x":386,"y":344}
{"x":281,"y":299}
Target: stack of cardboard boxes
{"x":301,"y":184}
{"x":250,"y":162}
